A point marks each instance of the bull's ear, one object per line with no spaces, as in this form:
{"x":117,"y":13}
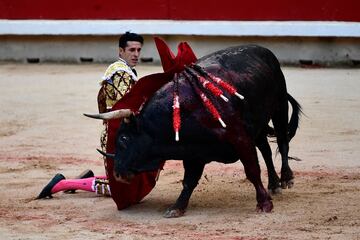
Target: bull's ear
{"x":132,"y":119}
{"x":132,"y":122}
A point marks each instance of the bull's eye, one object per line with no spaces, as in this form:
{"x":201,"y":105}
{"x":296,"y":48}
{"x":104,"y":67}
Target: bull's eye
{"x":122,"y":141}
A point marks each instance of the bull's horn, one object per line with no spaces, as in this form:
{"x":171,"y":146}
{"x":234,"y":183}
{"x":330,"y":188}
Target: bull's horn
{"x":108,"y":155}
{"x":121,"y":113}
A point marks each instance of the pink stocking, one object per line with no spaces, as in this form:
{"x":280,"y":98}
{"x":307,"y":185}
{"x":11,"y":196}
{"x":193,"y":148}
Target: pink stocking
{"x":86,"y":184}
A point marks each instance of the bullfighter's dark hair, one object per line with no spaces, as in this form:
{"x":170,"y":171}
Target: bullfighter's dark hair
{"x":128,"y":36}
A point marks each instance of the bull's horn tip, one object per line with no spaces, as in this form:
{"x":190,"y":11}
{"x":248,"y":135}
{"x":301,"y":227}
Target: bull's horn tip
{"x":107,"y":155}
{"x":91,"y":115}
{"x":101,"y":152}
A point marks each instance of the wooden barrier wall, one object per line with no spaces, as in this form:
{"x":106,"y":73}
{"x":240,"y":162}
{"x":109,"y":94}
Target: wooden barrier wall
{"x":232,"y":10}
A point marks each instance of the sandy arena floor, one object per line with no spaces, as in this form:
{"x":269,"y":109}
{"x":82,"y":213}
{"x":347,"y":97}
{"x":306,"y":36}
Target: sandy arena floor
{"x":43,"y":132}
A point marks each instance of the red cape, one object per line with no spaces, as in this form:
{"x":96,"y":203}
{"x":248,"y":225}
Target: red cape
{"x":125,"y":195}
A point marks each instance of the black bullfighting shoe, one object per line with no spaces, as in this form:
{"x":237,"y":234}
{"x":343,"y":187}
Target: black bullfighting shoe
{"x":46,"y":192}
{"x":85,"y":174}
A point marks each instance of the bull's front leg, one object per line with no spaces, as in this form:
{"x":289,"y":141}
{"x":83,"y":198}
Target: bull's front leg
{"x":192,"y":175}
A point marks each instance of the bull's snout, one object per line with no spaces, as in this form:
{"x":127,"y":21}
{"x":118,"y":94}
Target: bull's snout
{"x":124,"y":177}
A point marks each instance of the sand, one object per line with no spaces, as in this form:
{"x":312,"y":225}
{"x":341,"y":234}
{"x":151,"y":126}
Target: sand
{"x":43,"y":132}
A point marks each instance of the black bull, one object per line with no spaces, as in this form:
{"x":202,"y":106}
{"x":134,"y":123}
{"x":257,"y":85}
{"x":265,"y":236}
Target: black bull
{"x":147,"y":139}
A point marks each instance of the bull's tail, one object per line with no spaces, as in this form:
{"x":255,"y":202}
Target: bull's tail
{"x":295,"y":117}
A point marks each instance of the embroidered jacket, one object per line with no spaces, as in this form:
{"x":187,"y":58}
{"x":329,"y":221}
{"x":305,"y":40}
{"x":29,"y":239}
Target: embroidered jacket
{"x":116,"y":82}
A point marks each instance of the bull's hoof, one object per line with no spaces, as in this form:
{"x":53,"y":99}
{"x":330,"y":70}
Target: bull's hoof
{"x":287,"y":178}
{"x":275,"y":191}
{"x":266,"y":206}
{"x":174,"y":213}
{"x":287,"y":184}
{"x":274,"y":187}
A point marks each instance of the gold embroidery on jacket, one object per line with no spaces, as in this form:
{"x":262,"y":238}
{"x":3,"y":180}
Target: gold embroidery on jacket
{"x":121,"y":84}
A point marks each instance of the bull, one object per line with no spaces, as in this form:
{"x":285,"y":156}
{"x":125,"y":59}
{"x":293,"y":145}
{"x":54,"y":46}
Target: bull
{"x":145,"y":140}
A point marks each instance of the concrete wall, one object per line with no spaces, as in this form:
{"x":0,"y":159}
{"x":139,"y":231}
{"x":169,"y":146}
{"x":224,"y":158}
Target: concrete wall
{"x":289,"y":50}
{"x":325,"y":32}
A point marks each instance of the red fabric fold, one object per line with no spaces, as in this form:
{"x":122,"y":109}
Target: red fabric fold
{"x":126,"y":195}
{"x":170,"y":63}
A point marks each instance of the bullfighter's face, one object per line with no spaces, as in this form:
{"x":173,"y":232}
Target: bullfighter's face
{"x":131,"y":53}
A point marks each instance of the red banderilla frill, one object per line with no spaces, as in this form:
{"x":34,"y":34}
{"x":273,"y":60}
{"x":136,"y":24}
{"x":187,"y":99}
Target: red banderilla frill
{"x":208,"y":85}
{"x":176,"y":116}
{"x":226,"y":86}
{"x":176,"y":109}
{"x":208,"y":104}
{"x":206,"y":101}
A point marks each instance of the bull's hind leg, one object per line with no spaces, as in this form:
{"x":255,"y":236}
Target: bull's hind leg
{"x":280,"y":121}
{"x":249,"y":159}
{"x":262,"y":143}
{"x":192,"y":175}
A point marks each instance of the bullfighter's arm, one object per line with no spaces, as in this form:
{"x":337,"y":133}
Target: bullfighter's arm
{"x":112,"y":91}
